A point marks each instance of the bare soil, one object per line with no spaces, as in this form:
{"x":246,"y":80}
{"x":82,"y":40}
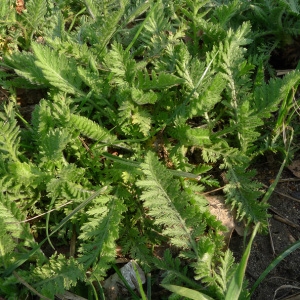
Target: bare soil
{"x":284,"y":230}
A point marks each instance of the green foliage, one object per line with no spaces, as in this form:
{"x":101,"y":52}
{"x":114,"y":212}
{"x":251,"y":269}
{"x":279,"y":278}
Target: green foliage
{"x":153,"y":100}
{"x":168,"y":206}
{"x":57,"y":275}
{"x":9,"y":139}
{"x":99,"y":234}
{"x":13,"y":225}
{"x":242,"y":198}
{"x":174,"y":271}
{"x":35,"y":14}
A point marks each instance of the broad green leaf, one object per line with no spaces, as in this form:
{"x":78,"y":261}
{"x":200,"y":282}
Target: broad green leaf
{"x":236,"y":284}
{"x":185,"y":292}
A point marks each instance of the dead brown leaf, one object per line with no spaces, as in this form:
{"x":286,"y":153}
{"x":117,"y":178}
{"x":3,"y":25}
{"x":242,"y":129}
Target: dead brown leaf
{"x":20,"y":6}
{"x":294,"y":167}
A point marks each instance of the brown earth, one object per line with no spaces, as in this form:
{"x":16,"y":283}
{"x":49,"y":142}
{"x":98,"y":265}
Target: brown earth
{"x":284,"y":230}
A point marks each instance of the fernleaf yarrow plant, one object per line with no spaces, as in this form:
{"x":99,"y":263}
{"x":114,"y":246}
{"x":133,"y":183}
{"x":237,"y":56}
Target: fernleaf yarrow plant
{"x":143,"y":102}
